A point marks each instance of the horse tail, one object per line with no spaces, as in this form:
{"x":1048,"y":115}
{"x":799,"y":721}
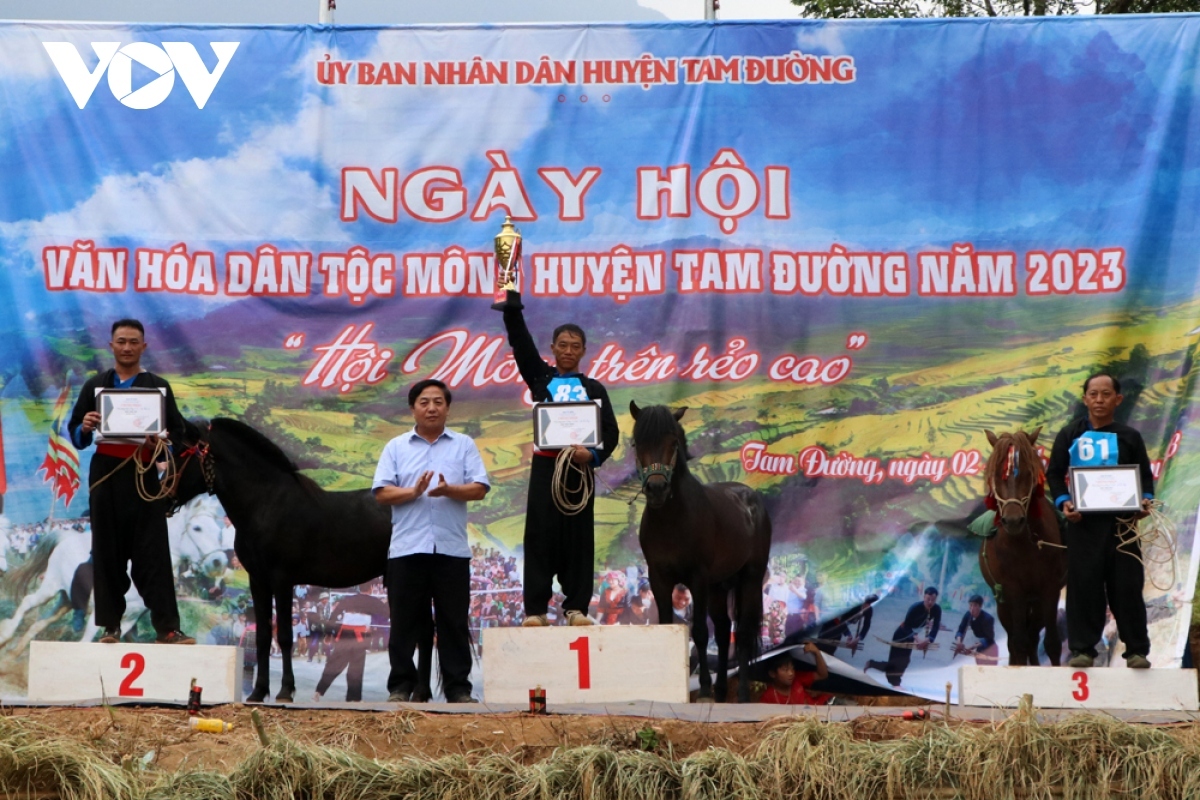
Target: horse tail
{"x":17,"y":581}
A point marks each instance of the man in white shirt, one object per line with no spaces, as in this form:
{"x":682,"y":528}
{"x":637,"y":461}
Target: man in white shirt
{"x":428,"y":475}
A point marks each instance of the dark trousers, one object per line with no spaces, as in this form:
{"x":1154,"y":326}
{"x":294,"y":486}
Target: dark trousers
{"x":898,"y":657}
{"x":350,"y":654}
{"x":412,"y":582}
{"x":1099,"y":575}
{"x":556,"y":544}
{"x":126,"y":530}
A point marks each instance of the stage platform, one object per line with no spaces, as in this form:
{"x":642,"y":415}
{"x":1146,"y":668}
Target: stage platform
{"x":685,"y":712}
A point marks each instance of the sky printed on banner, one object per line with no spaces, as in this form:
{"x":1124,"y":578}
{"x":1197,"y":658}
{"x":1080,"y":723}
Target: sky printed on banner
{"x":1005,"y":133}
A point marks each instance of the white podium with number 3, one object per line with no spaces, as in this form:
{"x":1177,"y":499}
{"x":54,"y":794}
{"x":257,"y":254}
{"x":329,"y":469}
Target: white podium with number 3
{"x":77,"y":672}
{"x":1065,"y":687}
{"x":597,"y":664}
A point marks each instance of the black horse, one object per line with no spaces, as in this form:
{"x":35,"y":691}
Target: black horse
{"x":289,"y":531}
{"x":713,"y":538}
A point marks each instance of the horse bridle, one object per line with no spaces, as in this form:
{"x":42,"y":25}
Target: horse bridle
{"x":1021,"y":502}
{"x":198,"y":451}
{"x":665,"y":470}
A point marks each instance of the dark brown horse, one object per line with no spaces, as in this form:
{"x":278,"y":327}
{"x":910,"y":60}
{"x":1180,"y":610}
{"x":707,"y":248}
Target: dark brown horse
{"x":1024,"y":563}
{"x":713,"y":538}
{"x":289,"y":532}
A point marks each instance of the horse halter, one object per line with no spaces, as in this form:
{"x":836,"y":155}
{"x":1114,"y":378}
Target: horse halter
{"x":1012,"y":468}
{"x":207,"y":468}
{"x":665,"y":470}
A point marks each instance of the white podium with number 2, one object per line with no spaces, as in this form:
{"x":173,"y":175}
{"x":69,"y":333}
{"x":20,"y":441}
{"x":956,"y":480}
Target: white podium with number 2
{"x":1064,"y":687}
{"x":77,"y":671}
{"x":597,"y":664}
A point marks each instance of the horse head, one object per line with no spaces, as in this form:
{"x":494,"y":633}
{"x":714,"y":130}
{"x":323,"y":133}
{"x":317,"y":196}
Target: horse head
{"x":1015,"y":479}
{"x":196,"y":471}
{"x":660,"y":449}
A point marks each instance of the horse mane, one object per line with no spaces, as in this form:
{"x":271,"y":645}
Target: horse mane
{"x":264,"y":448}
{"x":655,"y":423}
{"x":1025,"y":449}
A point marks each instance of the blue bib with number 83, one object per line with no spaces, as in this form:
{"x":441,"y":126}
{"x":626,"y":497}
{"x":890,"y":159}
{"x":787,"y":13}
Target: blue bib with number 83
{"x":1094,"y":449}
{"x":567,"y":389}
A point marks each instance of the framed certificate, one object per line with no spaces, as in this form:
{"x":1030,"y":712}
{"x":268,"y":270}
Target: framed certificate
{"x":1106,"y":488}
{"x":131,"y":413}
{"x":558,"y":425}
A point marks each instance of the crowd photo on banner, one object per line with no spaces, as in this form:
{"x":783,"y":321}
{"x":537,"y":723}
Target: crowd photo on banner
{"x":283,"y":363}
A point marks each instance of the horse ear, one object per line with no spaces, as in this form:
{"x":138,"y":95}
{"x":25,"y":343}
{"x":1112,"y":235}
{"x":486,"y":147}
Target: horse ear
{"x":991,"y":437}
{"x":678,"y":413}
{"x":633,"y":409}
{"x":1033,"y":436}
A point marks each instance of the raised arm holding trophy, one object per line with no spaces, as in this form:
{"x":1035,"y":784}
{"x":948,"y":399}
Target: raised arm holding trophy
{"x":559,"y":519}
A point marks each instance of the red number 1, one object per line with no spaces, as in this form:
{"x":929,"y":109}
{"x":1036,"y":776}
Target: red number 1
{"x":1082,"y":692}
{"x":136,"y":664}
{"x":580,"y":646}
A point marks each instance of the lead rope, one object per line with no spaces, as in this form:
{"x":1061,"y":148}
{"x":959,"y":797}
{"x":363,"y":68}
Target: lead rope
{"x":166,"y":486}
{"x":561,"y":488}
{"x":1156,"y":535}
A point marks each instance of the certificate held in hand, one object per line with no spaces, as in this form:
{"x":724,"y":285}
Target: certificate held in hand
{"x":558,"y":425}
{"x":131,"y":413}
{"x":1108,"y":489}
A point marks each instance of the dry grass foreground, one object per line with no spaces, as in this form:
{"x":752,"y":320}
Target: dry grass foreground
{"x":146,"y":754}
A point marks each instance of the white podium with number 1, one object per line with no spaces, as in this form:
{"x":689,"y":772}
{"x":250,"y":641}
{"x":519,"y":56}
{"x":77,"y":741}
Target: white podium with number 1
{"x":78,"y":671}
{"x":597,"y":664}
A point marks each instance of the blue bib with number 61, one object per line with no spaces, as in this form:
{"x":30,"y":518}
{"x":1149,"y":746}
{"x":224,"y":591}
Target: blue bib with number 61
{"x":1094,"y":449}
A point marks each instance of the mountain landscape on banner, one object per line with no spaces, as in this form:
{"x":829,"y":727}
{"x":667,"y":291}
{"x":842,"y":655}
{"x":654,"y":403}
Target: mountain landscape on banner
{"x":924,"y":384}
{"x":911,"y":391}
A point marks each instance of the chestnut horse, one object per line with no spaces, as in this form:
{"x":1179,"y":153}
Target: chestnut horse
{"x":1025,"y":562}
{"x":713,"y":538}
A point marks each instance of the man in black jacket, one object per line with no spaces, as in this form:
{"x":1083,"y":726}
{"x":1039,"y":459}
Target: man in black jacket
{"x":925,"y":616}
{"x":125,"y":528}
{"x":557,"y":543}
{"x":983,"y":625}
{"x":1096,"y":571}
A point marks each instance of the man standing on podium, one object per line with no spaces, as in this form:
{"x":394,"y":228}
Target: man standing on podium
{"x":127,"y":529}
{"x":557,"y":543}
{"x":1096,"y":570}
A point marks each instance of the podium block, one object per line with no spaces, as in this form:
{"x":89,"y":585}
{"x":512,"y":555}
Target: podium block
{"x":597,"y":664}
{"x":77,"y":672}
{"x":1066,"y":687}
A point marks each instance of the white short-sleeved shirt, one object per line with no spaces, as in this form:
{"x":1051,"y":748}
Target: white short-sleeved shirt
{"x":430,"y":524}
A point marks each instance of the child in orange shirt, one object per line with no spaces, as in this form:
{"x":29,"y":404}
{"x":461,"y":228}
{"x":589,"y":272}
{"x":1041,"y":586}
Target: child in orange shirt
{"x":789,"y":687}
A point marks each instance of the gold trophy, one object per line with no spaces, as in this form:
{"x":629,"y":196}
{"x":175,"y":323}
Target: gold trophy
{"x":508,"y":264}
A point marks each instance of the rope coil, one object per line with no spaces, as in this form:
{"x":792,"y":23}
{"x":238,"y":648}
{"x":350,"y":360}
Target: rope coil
{"x":166,"y":484}
{"x":561,"y":488}
{"x":1155,"y":533}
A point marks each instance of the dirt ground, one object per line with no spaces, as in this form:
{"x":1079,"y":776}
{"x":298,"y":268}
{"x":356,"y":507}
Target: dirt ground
{"x":162,"y":736}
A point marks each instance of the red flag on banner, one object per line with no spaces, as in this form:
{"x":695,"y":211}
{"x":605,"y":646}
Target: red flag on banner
{"x":62,"y":459}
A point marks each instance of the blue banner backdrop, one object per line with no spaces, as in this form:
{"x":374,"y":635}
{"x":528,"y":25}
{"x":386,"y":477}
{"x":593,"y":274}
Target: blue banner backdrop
{"x":849,"y":248}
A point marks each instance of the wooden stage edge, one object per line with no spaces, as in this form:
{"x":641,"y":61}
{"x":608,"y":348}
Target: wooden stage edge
{"x":688,"y":712}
